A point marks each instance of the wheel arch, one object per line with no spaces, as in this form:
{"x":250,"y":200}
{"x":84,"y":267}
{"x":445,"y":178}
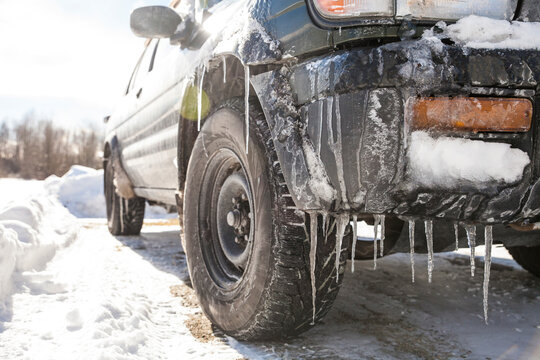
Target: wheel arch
{"x":224,"y":79}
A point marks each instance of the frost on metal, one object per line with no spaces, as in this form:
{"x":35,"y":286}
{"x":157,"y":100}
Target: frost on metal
{"x":318,"y":181}
{"x":244,"y":36}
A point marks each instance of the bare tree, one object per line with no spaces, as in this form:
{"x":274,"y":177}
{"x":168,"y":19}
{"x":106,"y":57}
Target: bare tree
{"x":43,"y":148}
{"x":4,"y":140}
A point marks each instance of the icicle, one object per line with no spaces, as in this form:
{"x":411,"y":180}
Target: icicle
{"x":411,"y":242}
{"x":199,"y":99}
{"x":340,"y":31}
{"x":121,"y":213}
{"x":355,"y":239}
{"x":312,"y":259}
{"x":224,"y":70}
{"x":383,"y":231}
{"x":319,"y":143}
{"x":246,"y":104}
{"x":429,"y":240}
{"x":375,"y":229}
{"x":488,"y":235}
{"x":342,"y":221}
{"x":471,"y":237}
{"x":456,"y":234}
{"x":325,"y":226}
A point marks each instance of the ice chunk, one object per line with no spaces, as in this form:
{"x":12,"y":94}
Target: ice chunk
{"x":446,"y":162}
{"x":428,"y":224}
{"x":471,"y":237}
{"x":488,"y":236}
{"x":411,"y":242}
{"x":319,"y":182}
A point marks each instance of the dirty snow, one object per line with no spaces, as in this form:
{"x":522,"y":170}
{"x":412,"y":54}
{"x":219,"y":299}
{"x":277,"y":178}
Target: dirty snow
{"x":97,"y":296}
{"x":447,"y":161}
{"x":484,"y":33}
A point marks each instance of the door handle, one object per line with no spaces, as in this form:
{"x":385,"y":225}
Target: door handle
{"x":139,"y":93}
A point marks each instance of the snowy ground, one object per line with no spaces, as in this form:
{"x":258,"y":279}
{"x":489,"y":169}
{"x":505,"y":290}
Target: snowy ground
{"x":75,"y":291}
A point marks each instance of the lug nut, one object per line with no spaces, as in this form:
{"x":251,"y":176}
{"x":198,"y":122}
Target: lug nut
{"x":234,"y":218}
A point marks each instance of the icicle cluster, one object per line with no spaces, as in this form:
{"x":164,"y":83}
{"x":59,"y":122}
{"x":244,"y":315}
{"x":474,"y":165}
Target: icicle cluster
{"x":471,"y":237}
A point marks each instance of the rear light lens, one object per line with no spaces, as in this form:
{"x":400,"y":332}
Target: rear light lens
{"x":471,"y":114}
{"x":335,"y":9}
{"x":456,"y":9}
{"x":417,"y":9}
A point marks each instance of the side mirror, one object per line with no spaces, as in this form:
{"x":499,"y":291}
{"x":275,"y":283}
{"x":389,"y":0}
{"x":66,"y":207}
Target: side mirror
{"x":152,"y":22}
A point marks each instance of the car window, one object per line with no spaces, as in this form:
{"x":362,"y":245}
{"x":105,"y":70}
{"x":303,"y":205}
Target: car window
{"x":143,"y":67}
{"x":163,"y":50}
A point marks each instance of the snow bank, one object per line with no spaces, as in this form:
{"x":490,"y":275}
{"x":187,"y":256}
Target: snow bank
{"x":31,"y":232}
{"x":446,"y":161}
{"x":80,"y":190}
{"x":485,"y":33}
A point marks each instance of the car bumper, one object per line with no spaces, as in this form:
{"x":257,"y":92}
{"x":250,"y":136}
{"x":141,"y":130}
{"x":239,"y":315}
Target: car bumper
{"x":353,"y":110}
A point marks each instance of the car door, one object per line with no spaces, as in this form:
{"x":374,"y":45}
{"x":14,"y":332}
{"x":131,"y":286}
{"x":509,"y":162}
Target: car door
{"x":149,"y":144}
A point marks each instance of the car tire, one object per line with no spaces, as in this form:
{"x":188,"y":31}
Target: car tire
{"x":527,"y":257}
{"x":251,"y":273}
{"x":124,"y":216}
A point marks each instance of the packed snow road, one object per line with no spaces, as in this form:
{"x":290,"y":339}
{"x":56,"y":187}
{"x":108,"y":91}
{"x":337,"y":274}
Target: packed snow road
{"x":68,"y":289}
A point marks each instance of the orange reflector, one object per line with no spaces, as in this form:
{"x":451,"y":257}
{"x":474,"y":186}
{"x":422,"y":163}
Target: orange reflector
{"x":331,"y":6}
{"x":472,"y":114}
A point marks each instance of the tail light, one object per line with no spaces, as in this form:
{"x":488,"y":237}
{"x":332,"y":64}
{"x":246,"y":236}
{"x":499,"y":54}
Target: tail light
{"x":355,"y":8}
{"x":417,"y":9}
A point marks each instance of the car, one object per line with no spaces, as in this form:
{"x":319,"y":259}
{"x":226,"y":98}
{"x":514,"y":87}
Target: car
{"x":276,"y":126}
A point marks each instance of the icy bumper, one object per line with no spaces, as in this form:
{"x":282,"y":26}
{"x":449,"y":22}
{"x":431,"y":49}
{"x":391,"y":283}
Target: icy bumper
{"x":353,"y":115}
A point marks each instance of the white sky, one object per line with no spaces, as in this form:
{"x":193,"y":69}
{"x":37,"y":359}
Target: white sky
{"x":68,"y":60}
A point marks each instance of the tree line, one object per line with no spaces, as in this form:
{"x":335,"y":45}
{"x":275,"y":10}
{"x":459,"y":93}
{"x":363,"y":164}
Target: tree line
{"x":35,"y":148}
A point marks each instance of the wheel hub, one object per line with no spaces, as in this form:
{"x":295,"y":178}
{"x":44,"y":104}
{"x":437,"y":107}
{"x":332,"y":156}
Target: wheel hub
{"x":234,"y":220}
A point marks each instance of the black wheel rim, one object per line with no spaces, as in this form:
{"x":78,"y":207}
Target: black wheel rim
{"x":226,"y":219}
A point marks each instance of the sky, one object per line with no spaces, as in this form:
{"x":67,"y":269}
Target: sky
{"x":66,"y":60}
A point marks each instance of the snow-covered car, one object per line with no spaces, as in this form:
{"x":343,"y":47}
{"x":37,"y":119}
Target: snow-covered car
{"x":273,"y":126}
